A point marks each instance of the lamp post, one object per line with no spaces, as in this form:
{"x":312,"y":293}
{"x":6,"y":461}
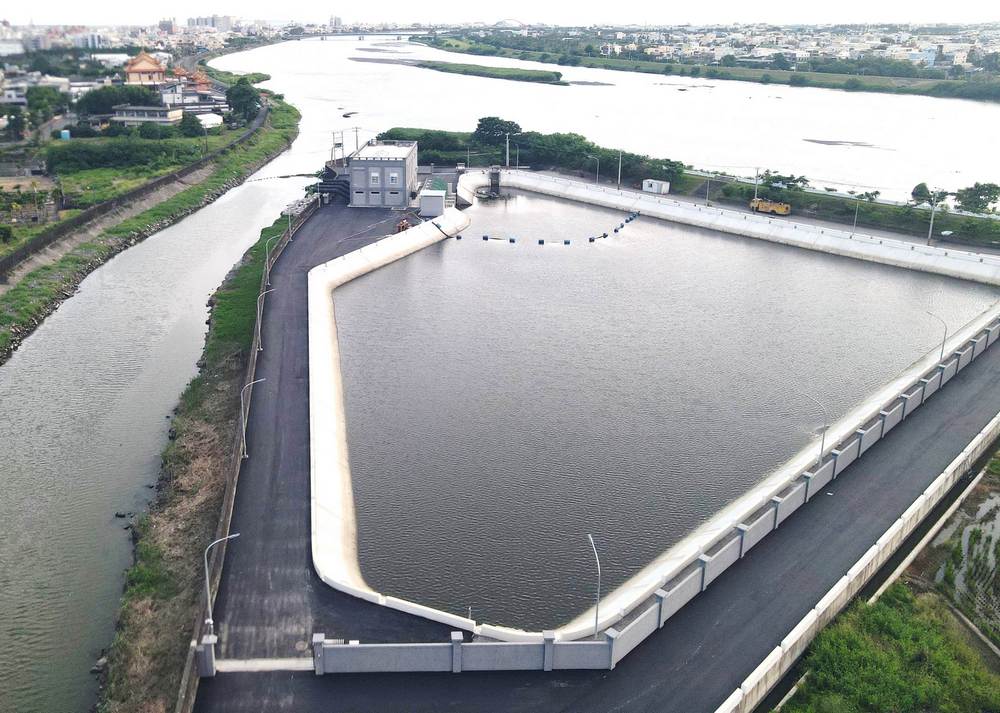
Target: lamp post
{"x":267,"y":259}
{"x":857,"y":207}
{"x":208,"y":593}
{"x":597,"y":599}
{"x":756,"y":178}
{"x":260,"y":298}
{"x":936,"y":196}
{"x":619,"y":169}
{"x":944,"y":338}
{"x":243,"y":414}
{"x":597,"y":176}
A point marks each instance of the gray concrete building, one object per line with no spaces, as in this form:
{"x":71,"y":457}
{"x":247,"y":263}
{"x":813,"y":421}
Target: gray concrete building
{"x":383,"y":174}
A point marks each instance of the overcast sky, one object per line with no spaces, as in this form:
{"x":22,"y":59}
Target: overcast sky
{"x":554,"y":12}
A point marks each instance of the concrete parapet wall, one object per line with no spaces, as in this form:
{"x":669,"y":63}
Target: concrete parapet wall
{"x":900,"y":253}
{"x":334,"y":533}
{"x":759,"y":683}
{"x":676,"y":576}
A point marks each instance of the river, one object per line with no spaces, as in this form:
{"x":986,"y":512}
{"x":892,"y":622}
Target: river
{"x":85,"y":399}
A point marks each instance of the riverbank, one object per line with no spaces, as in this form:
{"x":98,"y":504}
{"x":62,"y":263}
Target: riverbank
{"x":163,"y":587}
{"x":941,"y":88}
{"x":40,"y":292}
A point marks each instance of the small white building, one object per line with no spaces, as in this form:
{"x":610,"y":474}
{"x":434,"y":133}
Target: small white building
{"x":383,"y":173}
{"x":651,"y":185}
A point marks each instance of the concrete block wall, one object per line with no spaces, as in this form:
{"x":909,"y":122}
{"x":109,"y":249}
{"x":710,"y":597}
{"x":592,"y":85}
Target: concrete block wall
{"x":759,"y":683}
{"x":676,"y":579}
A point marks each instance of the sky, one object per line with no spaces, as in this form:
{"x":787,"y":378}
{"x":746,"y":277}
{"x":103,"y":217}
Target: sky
{"x":576,"y":12}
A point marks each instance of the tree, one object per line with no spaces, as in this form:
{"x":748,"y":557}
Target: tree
{"x":798,"y":80}
{"x":244,"y":99}
{"x":104,"y":99}
{"x":494,"y":130}
{"x":729,"y":61}
{"x":870,"y":196}
{"x":6,"y":234}
{"x":190,"y":126}
{"x":978,"y":198}
{"x":780,"y":61}
{"x":791,"y":182}
{"x":44,"y":103}
{"x":149,"y":130}
{"x":921,"y":193}
{"x":15,"y":123}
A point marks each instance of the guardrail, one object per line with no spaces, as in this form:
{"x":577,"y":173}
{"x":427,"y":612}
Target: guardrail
{"x":189,"y":678}
{"x":45,"y":238}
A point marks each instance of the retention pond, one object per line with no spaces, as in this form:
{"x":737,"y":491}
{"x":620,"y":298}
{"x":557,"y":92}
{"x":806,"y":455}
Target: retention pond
{"x":506,"y":399}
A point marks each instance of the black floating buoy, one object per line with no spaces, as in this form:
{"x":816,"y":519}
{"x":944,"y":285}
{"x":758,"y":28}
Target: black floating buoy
{"x":486,"y":237}
{"x":616,"y":230}
{"x":541,"y":242}
{"x":592,"y":239}
{"x":512,"y":240}
{"x":458,"y":237}
{"x":604,"y":235}
{"x":565,"y":242}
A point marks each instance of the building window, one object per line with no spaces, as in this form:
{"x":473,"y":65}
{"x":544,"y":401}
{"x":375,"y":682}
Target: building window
{"x":393,"y":178}
{"x":373,"y":178}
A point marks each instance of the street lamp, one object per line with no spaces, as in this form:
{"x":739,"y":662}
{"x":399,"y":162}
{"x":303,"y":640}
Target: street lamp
{"x":267,"y":258}
{"x":857,"y":207}
{"x":208,"y":592}
{"x":597,"y":177}
{"x":243,"y":414}
{"x":260,"y":297}
{"x":936,"y":196}
{"x":943,"y":339}
{"x":597,"y":599}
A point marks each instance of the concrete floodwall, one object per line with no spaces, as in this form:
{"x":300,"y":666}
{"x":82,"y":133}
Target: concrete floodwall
{"x":457,"y":656}
{"x":819,"y":477}
{"x":676,"y":576}
{"x":900,"y":253}
{"x":763,"y":678}
{"x":334,"y":534}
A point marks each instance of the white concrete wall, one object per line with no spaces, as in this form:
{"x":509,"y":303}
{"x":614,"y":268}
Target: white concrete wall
{"x":759,"y":683}
{"x":334,"y":531}
{"x":942,"y":261}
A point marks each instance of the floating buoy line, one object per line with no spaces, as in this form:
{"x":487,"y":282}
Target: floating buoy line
{"x":565,"y":241}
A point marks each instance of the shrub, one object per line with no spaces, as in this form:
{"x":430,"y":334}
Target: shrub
{"x":149,"y":130}
{"x":798,"y":80}
{"x":6,"y":233}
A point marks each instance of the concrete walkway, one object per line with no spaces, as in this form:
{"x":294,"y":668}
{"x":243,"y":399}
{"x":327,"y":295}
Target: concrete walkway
{"x":271,"y":601}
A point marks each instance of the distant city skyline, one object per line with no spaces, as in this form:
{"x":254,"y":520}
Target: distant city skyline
{"x":583,"y":12}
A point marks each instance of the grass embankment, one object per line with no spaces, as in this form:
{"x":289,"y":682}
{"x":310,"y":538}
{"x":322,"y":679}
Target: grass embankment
{"x":221,"y":75}
{"x":905,"y":218}
{"x":944,"y":88}
{"x":476,"y":70}
{"x":24,"y":306}
{"x":163,"y":587}
{"x":904,"y":653}
{"x":85,"y":179}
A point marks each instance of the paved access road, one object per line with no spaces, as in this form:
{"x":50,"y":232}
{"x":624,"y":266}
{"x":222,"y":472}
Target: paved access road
{"x":270,"y":601}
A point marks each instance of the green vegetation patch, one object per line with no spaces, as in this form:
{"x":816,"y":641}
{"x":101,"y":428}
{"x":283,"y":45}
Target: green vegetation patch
{"x":512,"y":73}
{"x":901,"y":654}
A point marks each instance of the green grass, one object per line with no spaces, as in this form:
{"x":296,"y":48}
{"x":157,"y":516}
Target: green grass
{"x":148,"y":575}
{"x":221,"y":75}
{"x":517,"y":75}
{"x":28,"y":301}
{"x":903,"y":654}
{"x":235,"y":309}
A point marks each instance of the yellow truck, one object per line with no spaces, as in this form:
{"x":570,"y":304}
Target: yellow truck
{"x":762,"y":205}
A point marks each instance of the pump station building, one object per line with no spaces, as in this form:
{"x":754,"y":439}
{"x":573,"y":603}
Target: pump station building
{"x":383,"y":174}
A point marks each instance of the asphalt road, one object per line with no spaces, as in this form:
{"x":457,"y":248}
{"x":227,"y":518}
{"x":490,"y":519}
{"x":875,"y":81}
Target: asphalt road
{"x":270,"y":601}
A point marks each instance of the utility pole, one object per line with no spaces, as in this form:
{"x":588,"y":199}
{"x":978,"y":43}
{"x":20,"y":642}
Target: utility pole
{"x":468,"y":157}
{"x":508,"y":150}
{"x":356,"y":145}
{"x":619,"y":169}
{"x":708,"y":191}
{"x":857,"y":207}
{"x":517,"y":155}
{"x":756,"y":177}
